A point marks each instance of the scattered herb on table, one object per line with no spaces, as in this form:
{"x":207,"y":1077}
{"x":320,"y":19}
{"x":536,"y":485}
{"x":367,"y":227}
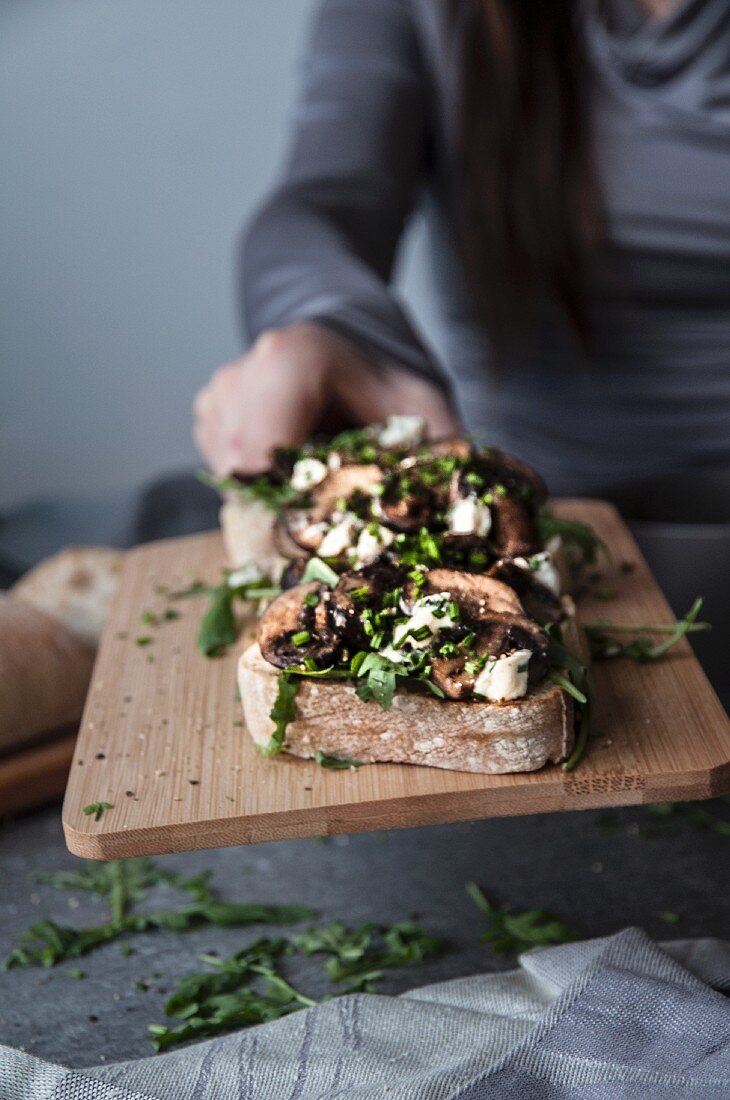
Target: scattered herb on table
{"x":669,"y":917}
{"x":665,"y":814}
{"x":124,"y":882}
{"x":97,"y":809}
{"x":143,"y":640}
{"x":515,"y":932}
{"x":359,"y":956}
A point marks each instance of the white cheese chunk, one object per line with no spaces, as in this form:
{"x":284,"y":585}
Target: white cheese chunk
{"x":307,"y":473}
{"x":504,"y":678}
{"x":247,"y":574}
{"x":339,"y":538}
{"x":372,"y":541}
{"x":543,"y":569}
{"x":426,"y":613}
{"x":402,"y":431}
{"x":470,"y":516}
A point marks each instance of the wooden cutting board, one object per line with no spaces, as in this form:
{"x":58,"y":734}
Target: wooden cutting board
{"x":162,"y":737}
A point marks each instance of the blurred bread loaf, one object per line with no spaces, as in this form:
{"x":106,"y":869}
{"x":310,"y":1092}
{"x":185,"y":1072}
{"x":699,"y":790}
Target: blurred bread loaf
{"x":76,"y":587}
{"x":50,"y":625}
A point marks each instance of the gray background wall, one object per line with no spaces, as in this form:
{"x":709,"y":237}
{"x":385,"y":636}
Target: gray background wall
{"x":137,"y":137}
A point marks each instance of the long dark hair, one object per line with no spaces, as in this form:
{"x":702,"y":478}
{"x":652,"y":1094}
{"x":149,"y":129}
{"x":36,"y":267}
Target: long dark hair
{"x":527,"y":199}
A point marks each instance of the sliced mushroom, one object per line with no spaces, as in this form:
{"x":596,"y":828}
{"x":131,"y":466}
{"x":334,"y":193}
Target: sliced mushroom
{"x":339,"y":485}
{"x":539,"y":602}
{"x":407,"y":504}
{"x":370,"y":584}
{"x":495,"y":637}
{"x":479,"y":596}
{"x":292,"y":574}
{"x":289,"y":615}
{"x":514,"y":532}
{"x":452,"y":446}
{"x":517,"y":476}
{"x":289,"y":536}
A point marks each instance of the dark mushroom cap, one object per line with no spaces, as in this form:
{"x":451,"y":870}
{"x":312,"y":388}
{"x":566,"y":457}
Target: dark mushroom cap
{"x":371,"y":585}
{"x":339,"y":485}
{"x":539,"y":601}
{"x":299,"y":530}
{"x":513,"y":527}
{"x":410,"y":508}
{"x":495,"y":637}
{"x":479,"y":596}
{"x":517,"y":476}
{"x":289,"y":615}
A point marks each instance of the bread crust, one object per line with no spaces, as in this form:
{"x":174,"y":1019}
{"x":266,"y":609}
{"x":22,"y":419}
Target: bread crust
{"x":519,"y":736}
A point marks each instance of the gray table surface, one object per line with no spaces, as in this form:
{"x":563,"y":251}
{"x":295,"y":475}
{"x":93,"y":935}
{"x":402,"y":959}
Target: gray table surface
{"x":601,"y":875}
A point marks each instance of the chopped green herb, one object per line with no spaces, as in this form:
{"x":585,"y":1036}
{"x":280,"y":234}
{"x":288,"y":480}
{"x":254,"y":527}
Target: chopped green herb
{"x":143,"y":640}
{"x":669,"y":917}
{"x":74,"y":972}
{"x":311,"y":599}
{"x":97,"y":809}
{"x":301,"y":638}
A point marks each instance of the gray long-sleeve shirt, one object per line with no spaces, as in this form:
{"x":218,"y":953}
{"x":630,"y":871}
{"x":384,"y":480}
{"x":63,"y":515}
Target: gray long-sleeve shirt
{"x":374,"y":131}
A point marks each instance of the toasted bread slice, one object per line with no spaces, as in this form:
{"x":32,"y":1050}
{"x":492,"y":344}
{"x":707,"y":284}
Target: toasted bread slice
{"x":518,"y":736}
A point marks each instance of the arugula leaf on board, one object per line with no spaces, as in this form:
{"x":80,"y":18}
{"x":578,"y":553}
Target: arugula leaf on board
{"x":283,"y":711}
{"x":575,"y":535}
{"x":512,"y":933}
{"x":604,"y":644}
{"x":218,"y":629}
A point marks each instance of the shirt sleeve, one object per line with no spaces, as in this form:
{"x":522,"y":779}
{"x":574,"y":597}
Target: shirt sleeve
{"x":322,"y":247}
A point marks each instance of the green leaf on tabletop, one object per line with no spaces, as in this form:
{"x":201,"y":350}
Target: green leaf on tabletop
{"x":513,"y":933}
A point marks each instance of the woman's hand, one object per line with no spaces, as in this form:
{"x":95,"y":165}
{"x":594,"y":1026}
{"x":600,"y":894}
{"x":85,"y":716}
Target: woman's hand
{"x":277,"y":394}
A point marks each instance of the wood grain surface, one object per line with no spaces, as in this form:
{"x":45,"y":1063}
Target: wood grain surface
{"x":162,"y":738}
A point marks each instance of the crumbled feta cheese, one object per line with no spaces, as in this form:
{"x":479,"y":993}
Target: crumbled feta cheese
{"x":247,"y":574}
{"x":333,"y":460}
{"x":339,"y":538}
{"x":470,"y":516}
{"x":504,"y":678}
{"x":307,"y":473}
{"x":543,"y":570}
{"x":372,"y":541}
{"x":433,"y":612}
{"x":402,"y":431}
